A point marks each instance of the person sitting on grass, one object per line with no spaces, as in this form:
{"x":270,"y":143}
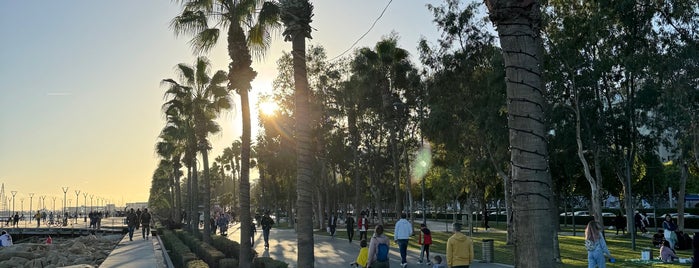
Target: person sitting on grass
{"x":667,"y":254}
{"x":363,"y":255}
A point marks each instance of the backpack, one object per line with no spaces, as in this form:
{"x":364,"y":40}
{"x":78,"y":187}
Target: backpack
{"x":382,"y":252}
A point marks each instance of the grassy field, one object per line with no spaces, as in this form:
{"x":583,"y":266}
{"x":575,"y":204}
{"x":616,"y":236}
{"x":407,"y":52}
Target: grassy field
{"x":573,"y":253}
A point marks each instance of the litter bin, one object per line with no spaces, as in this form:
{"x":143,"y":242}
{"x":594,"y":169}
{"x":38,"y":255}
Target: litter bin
{"x":488,"y":250}
{"x":646,"y":254}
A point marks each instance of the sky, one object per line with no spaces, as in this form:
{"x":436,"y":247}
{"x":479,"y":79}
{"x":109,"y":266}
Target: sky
{"x":80,"y":93}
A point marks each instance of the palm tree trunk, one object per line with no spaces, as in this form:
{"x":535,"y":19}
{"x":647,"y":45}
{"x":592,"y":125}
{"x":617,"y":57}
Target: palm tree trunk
{"x":206,"y":236}
{"x":517,"y":24}
{"x":304,"y":181}
{"x":240,"y":75}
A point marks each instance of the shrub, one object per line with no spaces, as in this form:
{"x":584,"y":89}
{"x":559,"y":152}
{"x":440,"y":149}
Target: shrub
{"x":197,"y":264}
{"x":228,"y":263}
{"x":267,"y":262}
{"x":180,"y":254}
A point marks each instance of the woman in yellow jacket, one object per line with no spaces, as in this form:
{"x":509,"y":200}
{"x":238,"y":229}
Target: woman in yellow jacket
{"x":459,"y":249}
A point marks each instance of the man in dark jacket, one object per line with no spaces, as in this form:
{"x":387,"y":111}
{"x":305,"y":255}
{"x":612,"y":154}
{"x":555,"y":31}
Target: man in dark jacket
{"x":350,"y":227}
{"x":131,"y":222}
{"x":145,"y":223}
{"x":267,"y":223}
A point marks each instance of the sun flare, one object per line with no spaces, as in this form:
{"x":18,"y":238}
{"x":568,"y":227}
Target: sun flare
{"x":268,"y":107}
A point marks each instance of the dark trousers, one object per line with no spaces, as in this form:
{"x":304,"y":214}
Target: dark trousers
{"x":362,"y":235}
{"x":350,"y":234}
{"x":265,"y":235}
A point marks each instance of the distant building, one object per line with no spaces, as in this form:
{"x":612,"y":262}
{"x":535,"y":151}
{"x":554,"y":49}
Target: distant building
{"x":137,"y":205}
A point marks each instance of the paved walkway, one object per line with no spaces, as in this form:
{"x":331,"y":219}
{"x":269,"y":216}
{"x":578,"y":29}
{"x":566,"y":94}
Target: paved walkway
{"x":139,"y":253}
{"x":329,"y":252}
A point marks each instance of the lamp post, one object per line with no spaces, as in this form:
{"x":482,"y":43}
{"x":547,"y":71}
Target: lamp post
{"x":54,"y":204}
{"x":85,"y":206}
{"x":91,"y":196}
{"x":65,"y":190}
{"x":31,"y":198}
{"x":43,"y":202}
{"x":13,"y":200}
{"x":77,"y":200}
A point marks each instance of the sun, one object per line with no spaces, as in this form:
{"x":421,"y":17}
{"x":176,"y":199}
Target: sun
{"x":268,"y":107}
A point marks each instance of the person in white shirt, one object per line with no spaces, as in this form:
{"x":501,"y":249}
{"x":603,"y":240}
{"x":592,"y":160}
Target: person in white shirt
{"x":402,"y":233}
{"x":5,"y":239}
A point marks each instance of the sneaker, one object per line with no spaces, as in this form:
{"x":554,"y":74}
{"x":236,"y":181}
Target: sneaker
{"x":429,"y":263}
{"x":404,"y":265}
{"x":419,"y":262}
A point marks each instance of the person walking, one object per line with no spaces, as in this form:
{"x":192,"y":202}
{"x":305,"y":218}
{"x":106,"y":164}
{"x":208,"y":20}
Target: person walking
{"x":332,"y":224}
{"x":37,"y":217}
{"x":222,"y":223}
{"x":402,"y":234}
{"x":669,"y":229}
{"x":425,"y":240}
{"x":459,"y":249}
{"x":363,"y":226}
{"x":596,"y":245}
{"x":350,"y":227}
{"x":378,"y":249}
{"x":145,"y":223}
{"x":138,"y":217}
{"x":131,"y":222}
{"x":267,"y":223}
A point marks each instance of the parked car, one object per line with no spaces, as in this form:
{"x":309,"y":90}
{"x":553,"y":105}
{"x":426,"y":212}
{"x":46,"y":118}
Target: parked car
{"x":686,"y":215}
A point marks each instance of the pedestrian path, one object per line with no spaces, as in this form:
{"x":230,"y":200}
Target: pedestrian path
{"x":328,"y":251}
{"x":139,"y":253}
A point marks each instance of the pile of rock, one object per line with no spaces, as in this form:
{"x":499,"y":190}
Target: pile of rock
{"x":84,"y":251}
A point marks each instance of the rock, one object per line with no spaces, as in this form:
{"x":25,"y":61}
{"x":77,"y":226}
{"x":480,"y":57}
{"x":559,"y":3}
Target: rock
{"x":81,"y":252}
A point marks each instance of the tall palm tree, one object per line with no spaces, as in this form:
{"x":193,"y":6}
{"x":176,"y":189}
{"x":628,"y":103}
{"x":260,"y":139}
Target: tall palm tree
{"x":296,"y":16}
{"x":171,"y":148}
{"x":236,"y":16}
{"x":518,"y":23}
{"x":207,"y":97}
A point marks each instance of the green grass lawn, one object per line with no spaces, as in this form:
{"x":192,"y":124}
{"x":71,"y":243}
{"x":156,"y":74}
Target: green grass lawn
{"x":573,"y":253}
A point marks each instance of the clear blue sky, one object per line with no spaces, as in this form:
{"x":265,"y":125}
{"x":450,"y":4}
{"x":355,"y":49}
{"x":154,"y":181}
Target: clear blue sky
{"x":80,"y":92}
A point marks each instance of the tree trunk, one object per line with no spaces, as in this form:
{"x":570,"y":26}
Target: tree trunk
{"x":680,"y":199}
{"x":304,"y":181}
{"x":178,"y":192}
{"x":240,"y":74}
{"x":518,"y":25}
{"x":206,"y":236}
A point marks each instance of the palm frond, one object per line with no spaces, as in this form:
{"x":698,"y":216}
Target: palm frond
{"x":186,"y":73}
{"x":189,"y":22}
{"x":219,"y":78}
{"x":204,"y":5}
{"x":202,"y":70}
{"x":205,"y":40}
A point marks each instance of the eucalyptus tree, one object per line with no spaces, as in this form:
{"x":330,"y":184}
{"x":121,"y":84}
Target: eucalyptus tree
{"x":296,"y":15}
{"x":465,"y":93}
{"x":204,"y":97}
{"x":573,"y":69}
{"x":676,"y":77}
{"x":518,"y":24}
{"x":238,"y":17}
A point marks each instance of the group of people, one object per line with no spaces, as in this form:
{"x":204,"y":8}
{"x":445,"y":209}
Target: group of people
{"x":136,"y":218}
{"x":375,"y":253}
{"x":641,"y":222}
{"x":667,"y":239}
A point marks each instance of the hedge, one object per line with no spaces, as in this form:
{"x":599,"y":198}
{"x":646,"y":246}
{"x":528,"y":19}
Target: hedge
{"x":179,"y":253}
{"x":206,"y":252}
{"x":267,"y":262}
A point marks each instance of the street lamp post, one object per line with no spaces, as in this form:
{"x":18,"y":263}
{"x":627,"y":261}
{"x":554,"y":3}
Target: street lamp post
{"x":65,"y":190}
{"x":31,"y":198}
{"x":13,"y":200}
{"x":91,"y":196}
{"x":85,"y":206}
{"x":77,"y":200}
{"x":54,"y":204}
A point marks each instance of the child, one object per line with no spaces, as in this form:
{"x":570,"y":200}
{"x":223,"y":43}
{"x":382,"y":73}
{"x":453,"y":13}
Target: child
{"x":363,"y":255}
{"x":438,"y":262}
{"x":425,"y":240}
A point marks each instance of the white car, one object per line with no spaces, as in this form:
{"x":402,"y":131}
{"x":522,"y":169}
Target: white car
{"x":686,"y":215}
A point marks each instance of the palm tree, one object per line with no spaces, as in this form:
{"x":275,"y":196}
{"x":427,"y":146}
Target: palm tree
{"x":207,"y":97}
{"x":236,"y":16}
{"x":171,"y":148}
{"x":296,"y":16}
{"x":518,"y":23}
